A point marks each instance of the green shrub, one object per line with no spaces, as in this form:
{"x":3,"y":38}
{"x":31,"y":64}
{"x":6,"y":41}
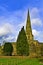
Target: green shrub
{"x":7,"y":49}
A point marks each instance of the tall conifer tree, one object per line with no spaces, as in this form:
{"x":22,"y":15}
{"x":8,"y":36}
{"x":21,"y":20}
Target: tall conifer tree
{"x":22,"y":44}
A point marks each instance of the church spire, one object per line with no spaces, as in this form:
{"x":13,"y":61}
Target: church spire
{"x":28,"y":28}
{"x":28,"y":25}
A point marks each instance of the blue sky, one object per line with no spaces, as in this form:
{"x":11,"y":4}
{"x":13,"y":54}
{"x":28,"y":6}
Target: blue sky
{"x":13,"y":14}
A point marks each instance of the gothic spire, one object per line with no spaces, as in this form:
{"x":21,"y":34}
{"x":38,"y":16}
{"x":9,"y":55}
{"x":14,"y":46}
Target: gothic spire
{"x":28,"y":28}
{"x":28,"y":25}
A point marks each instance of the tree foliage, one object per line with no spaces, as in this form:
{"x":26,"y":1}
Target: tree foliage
{"x":22,"y":45}
{"x":8,"y":48}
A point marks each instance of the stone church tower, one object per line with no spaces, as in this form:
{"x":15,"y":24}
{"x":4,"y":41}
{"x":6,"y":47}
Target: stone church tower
{"x":29,"y":29}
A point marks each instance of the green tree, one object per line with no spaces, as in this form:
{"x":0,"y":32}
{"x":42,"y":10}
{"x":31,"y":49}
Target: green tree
{"x":7,"y":49}
{"x":22,"y":45}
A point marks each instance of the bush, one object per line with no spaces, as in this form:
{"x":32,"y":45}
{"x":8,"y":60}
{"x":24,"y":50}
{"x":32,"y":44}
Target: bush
{"x":8,"y":49}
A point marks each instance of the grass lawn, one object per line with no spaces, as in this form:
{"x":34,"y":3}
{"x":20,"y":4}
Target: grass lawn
{"x":19,"y":61}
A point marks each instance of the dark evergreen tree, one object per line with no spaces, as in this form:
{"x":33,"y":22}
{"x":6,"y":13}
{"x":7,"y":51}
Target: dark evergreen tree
{"x":22,"y":45}
{"x":7,"y":49}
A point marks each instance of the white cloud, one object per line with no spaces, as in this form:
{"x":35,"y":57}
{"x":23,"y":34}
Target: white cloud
{"x":5,"y":29}
{"x":38,"y":35}
{"x":35,"y":17}
{"x":34,"y":12}
{"x":9,"y":38}
{"x":36,"y":21}
{"x":12,"y":23}
{"x":35,"y":32}
{"x":22,"y":24}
